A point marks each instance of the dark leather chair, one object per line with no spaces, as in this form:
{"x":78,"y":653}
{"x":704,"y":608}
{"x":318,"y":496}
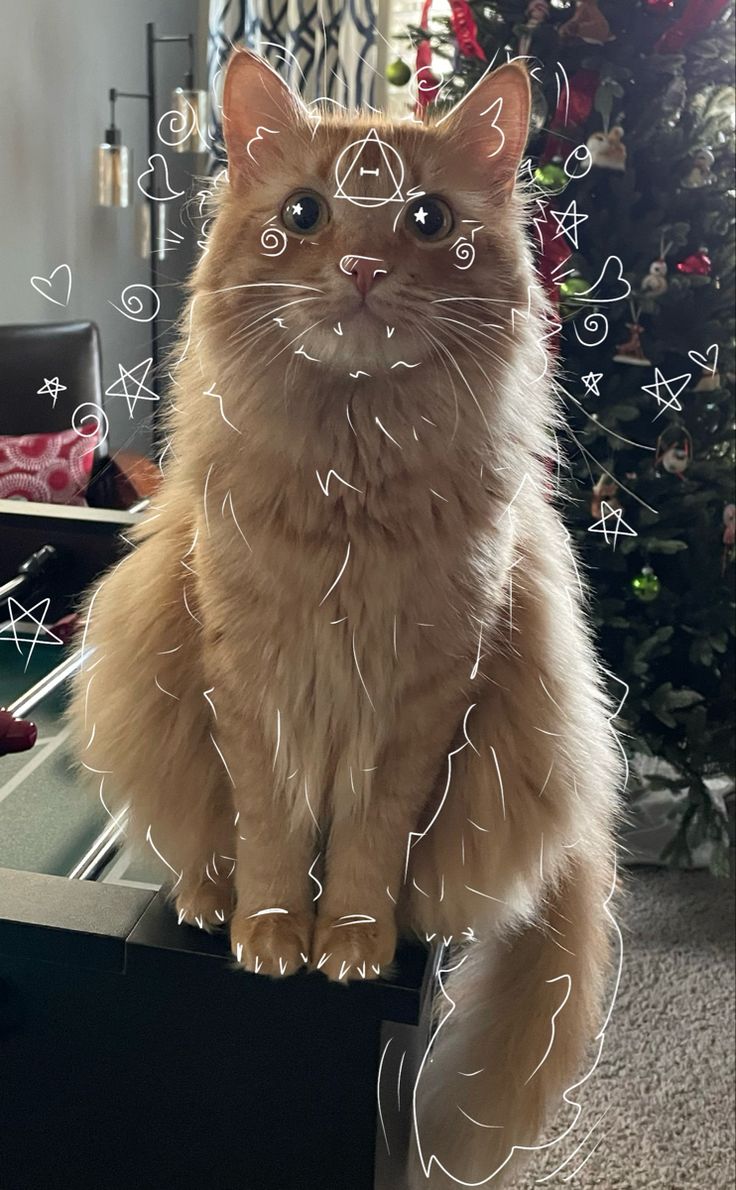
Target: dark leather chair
{"x":34,"y":352}
{"x":31,"y":353}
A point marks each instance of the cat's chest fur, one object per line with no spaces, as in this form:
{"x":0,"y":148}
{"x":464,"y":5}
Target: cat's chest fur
{"x":342,"y":606}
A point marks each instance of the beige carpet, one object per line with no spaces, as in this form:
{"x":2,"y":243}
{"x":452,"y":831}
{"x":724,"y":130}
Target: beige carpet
{"x":666,"y":1077}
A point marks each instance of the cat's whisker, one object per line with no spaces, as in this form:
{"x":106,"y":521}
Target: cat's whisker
{"x":261,"y":312}
{"x":248,"y":339}
{"x":466,"y":340}
{"x":252,"y":307}
{"x":467,"y":326}
{"x":259,"y":285}
{"x":430,"y":338}
{"x":473,"y":298}
{"x":445,"y":349}
{"x":294,"y":340}
{"x":239,"y":331}
{"x":468,"y":337}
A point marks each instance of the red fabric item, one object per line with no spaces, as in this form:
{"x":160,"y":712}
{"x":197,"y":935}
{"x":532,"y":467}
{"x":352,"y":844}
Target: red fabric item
{"x":427,"y":83}
{"x":50,"y":468}
{"x":573,"y":108}
{"x":696,"y":18}
{"x":465,"y":30}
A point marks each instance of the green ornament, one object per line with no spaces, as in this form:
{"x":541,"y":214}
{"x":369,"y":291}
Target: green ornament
{"x":571,"y":287}
{"x":398,"y":73}
{"x":646,"y":586}
{"x":551,"y":176}
{"x":569,"y":290}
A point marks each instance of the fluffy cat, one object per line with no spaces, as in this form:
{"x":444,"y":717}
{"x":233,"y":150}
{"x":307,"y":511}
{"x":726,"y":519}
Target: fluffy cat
{"x":344,"y":680}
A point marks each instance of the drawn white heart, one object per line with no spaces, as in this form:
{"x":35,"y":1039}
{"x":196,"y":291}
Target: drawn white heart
{"x":589,"y":294}
{"x":703,"y":361}
{"x":157,"y":165}
{"x":43,"y":284}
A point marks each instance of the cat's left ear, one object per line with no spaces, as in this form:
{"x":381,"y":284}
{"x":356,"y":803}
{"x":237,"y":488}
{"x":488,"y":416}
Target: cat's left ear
{"x":258,"y":109}
{"x":490,"y":126}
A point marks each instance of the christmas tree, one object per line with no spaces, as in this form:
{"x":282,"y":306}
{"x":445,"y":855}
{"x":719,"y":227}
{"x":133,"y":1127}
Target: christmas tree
{"x":630,"y":176}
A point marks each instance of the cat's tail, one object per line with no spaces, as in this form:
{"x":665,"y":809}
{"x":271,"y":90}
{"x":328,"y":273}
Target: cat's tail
{"x":514,"y":1019}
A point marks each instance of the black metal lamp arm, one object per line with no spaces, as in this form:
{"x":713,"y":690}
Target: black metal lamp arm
{"x":113,"y":137}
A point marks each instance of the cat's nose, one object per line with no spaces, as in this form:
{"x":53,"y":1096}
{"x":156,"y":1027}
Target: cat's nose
{"x":365,"y":271}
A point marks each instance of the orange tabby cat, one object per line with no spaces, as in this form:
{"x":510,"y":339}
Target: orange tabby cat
{"x":344,"y":679}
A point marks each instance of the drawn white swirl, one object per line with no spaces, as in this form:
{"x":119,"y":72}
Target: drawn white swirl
{"x":465,"y":252}
{"x":419,"y":84}
{"x":273,"y":241}
{"x":179,"y":126}
{"x":133,"y":305}
{"x":97,"y":417}
{"x":593,"y":322}
{"x":583,"y":157}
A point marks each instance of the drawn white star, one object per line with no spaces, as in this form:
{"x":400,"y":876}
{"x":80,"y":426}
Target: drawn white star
{"x":660,"y":382}
{"x":51,"y":388}
{"x":297,"y":208}
{"x":591,"y":383}
{"x":138,"y":390}
{"x":421,"y":216}
{"x":26,"y":614}
{"x":619,"y":524}
{"x":567,"y":222}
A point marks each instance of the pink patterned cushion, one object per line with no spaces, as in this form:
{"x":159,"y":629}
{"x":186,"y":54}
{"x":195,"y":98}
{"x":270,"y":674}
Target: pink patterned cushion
{"x":51,"y":468}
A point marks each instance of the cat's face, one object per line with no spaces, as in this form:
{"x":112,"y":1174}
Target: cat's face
{"x":360,"y":245}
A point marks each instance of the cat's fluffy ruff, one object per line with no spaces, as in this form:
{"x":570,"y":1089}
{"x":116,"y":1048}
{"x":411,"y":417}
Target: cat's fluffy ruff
{"x":345,"y":671}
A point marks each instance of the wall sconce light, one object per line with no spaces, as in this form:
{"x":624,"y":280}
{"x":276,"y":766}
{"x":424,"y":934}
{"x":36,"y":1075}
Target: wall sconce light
{"x":188,"y":119}
{"x":113,"y":166}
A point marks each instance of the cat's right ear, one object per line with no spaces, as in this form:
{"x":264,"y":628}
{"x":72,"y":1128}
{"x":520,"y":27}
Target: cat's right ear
{"x":257,"y":109}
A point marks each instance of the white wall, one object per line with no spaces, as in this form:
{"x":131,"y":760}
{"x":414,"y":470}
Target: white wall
{"x":57,"y":63}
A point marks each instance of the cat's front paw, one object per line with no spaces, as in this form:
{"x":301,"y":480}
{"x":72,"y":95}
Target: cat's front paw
{"x":353,"y":946}
{"x":207,"y":904}
{"x":271,"y":942}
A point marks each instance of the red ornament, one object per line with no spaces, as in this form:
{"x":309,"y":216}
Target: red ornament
{"x":696,"y":18}
{"x":698,"y":263}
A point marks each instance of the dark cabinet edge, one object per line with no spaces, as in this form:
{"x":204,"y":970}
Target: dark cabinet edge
{"x":72,"y":922}
{"x":123,"y":930}
{"x":159,"y":942}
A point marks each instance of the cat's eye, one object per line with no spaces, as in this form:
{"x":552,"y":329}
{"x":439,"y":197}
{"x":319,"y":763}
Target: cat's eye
{"x":429,"y":219}
{"x":304,"y":213}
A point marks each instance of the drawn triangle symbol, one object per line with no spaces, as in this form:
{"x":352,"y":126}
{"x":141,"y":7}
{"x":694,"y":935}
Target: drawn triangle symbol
{"x":390,"y":174}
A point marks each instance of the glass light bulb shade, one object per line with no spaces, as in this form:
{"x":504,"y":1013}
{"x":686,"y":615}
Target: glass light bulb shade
{"x":188,"y":122}
{"x":113,"y":175}
{"x":152,"y":230}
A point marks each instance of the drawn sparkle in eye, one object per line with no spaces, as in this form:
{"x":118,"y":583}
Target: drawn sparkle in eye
{"x":421,"y":216}
{"x":297,"y":208}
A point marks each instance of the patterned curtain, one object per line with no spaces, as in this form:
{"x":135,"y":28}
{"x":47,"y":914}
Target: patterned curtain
{"x":323,"y":48}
